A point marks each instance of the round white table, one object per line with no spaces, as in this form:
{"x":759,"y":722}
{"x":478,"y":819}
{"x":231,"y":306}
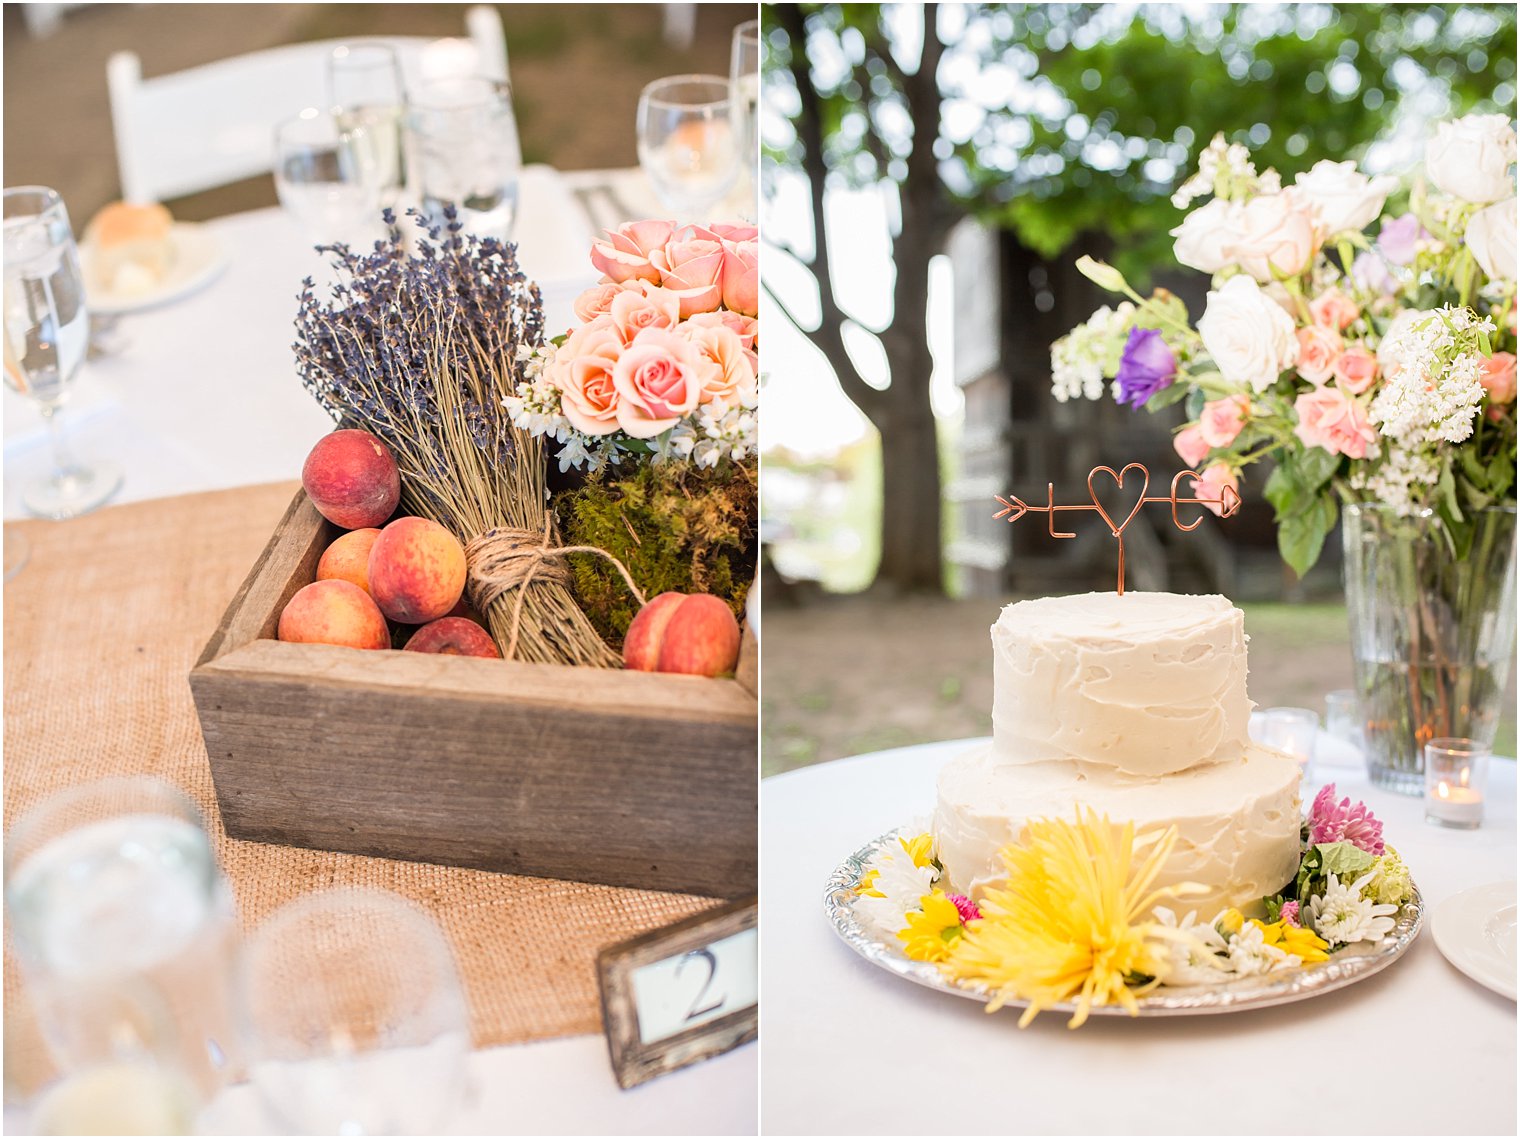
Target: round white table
{"x":1418,"y":1049}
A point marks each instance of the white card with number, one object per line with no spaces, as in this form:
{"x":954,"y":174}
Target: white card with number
{"x":691,"y":989}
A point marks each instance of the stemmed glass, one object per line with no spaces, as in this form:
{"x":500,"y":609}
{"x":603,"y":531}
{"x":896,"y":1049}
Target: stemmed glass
{"x":47,"y":333}
{"x":463,"y":151}
{"x":327,"y":178}
{"x":689,"y":141}
{"x":356,"y":1022}
{"x":744,"y":76}
{"x":365,"y":86}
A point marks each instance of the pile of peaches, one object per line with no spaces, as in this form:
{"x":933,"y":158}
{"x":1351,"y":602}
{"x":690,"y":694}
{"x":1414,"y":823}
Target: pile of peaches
{"x":411,"y":571}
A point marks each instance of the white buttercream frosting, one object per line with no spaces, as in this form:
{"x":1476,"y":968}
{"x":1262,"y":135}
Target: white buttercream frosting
{"x":1237,"y":820}
{"x":1144,"y":684}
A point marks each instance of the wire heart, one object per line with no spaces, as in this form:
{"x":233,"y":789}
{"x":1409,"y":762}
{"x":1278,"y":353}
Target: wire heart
{"x":1118,"y":477}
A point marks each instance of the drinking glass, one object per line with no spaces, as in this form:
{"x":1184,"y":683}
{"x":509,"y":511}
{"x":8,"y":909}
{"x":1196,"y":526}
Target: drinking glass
{"x":689,"y":141}
{"x":355,"y":1019}
{"x":327,"y":177}
{"x":744,"y":76}
{"x":463,"y":151}
{"x":47,"y":333}
{"x":365,"y":86}
{"x":125,"y":932}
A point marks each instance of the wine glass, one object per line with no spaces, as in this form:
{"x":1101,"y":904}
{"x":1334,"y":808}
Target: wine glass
{"x":327,"y":177}
{"x":689,"y":141}
{"x":355,"y":1018}
{"x":47,"y":333}
{"x":744,"y":76}
{"x":463,"y":151}
{"x":366,"y":90}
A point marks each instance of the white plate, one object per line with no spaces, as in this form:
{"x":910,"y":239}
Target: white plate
{"x":198,"y":258}
{"x":1475,"y":931}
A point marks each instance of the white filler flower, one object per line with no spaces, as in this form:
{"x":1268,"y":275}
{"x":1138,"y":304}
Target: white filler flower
{"x":1342,"y":915}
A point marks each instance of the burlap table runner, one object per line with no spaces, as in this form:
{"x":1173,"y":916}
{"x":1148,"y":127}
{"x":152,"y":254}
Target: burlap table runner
{"x":102,"y":626}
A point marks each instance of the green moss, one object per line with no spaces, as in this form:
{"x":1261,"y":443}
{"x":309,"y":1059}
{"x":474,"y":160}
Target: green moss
{"x":673,"y":526}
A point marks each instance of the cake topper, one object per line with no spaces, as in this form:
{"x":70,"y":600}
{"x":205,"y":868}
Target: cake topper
{"x":1228,"y":503}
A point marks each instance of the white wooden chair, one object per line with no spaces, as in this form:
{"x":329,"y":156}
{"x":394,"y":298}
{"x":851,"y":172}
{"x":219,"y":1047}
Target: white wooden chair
{"x":212,"y":125}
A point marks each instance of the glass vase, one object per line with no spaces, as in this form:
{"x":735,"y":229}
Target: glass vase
{"x":1432,"y":635}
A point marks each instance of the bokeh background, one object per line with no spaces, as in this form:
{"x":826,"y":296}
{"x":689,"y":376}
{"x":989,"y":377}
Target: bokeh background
{"x":914,"y":384}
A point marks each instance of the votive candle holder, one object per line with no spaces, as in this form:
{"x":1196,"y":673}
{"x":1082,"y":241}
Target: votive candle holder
{"x":1456,"y":775}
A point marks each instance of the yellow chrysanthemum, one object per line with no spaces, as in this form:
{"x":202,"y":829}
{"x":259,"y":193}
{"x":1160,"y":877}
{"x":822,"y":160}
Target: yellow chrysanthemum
{"x":920,"y":849}
{"x":1073,"y":921}
{"x":1302,"y":943}
{"x":867,"y":885}
{"x":932,"y":931}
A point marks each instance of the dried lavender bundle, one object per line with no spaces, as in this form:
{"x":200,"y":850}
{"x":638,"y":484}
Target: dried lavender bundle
{"x":420,"y":350}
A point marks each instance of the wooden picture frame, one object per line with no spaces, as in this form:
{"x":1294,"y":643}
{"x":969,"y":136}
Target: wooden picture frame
{"x":720,"y":939}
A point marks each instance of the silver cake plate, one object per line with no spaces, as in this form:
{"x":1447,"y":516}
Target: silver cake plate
{"x":1351,"y":964}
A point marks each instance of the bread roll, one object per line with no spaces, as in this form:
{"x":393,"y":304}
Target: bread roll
{"x":131,"y":246}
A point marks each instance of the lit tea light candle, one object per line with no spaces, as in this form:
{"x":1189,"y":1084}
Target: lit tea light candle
{"x":1454,"y":772}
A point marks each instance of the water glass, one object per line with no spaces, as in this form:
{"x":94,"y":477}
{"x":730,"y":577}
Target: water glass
{"x":125,"y":932}
{"x":744,"y":78}
{"x":690,"y":140}
{"x":1456,"y":775}
{"x":463,"y":152}
{"x":368,"y":98}
{"x":1343,"y":716}
{"x":47,"y":335}
{"x":1292,"y":730}
{"x":356,"y":1022}
{"x":328,"y":177}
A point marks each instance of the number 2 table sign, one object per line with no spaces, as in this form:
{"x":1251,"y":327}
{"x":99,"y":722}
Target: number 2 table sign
{"x":681,"y":994}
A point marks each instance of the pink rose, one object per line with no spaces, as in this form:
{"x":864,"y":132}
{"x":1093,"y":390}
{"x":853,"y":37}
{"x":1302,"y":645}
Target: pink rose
{"x":1333,"y":309}
{"x":1498,"y":378}
{"x":1222,"y":420}
{"x":596,"y":300}
{"x":1213,"y":483}
{"x":693,"y":267}
{"x":626,"y":254}
{"x":736,"y":233}
{"x":1329,"y":418}
{"x":659,"y":378}
{"x":741,"y":277}
{"x":746,"y":328}
{"x":1277,"y":235}
{"x":733,"y":375}
{"x":1318,"y":349}
{"x":582,"y":371}
{"x":650,"y":306}
{"x":1191,"y":445}
{"x":1356,"y":370}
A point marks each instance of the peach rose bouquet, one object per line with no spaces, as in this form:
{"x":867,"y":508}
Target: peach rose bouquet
{"x":664,"y":365}
{"x":1367,"y":351}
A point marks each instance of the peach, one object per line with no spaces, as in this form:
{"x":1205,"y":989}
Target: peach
{"x":416,"y":571}
{"x":352,"y":479}
{"x":453,"y":636}
{"x":347,"y":559}
{"x":334,"y":613}
{"x":678,"y":632}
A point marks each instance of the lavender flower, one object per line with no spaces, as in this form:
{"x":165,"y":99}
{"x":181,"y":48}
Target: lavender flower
{"x":1399,"y":238}
{"x":1146,"y":367}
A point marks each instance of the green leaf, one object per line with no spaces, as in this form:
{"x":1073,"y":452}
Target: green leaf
{"x":1317,"y":467}
{"x":1345,"y":860}
{"x":1284,"y":490}
{"x":1301,"y":535}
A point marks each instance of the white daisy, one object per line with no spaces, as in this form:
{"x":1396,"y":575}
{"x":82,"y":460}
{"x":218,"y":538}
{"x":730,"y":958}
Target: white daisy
{"x":1250,"y":954}
{"x":1202,"y":959}
{"x":1341,"y":915}
{"x":902,"y":885}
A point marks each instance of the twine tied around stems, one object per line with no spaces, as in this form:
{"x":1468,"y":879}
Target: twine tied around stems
{"x":505,"y":558}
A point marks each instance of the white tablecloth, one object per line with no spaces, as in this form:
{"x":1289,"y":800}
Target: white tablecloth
{"x":1418,"y":1049}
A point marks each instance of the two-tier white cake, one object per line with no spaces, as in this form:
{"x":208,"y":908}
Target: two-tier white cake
{"x":1136,"y":707}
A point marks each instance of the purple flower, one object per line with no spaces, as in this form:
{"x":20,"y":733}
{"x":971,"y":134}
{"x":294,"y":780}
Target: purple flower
{"x":1341,"y":822}
{"x":1289,"y":913}
{"x":1146,"y":367}
{"x":1372,"y":273}
{"x":964,"y":906}
{"x":1398,"y":236}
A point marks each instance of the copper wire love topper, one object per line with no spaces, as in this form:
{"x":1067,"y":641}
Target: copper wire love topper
{"x":1228,"y":503}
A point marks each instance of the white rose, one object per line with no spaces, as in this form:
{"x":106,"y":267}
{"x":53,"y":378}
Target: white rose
{"x":1276,"y":235}
{"x":1249,"y":337}
{"x":1491,"y":237}
{"x":1202,"y":234}
{"x":1345,"y":198}
{"x":1470,"y":158}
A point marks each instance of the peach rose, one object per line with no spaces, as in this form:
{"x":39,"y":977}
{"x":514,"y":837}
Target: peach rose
{"x":650,"y":306}
{"x":582,"y":371}
{"x":1222,"y":420}
{"x":693,"y":267}
{"x":1333,"y":309}
{"x":729,"y":231}
{"x":659,"y":378}
{"x":1318,"y":349}
{"x":1278,"y":236}
{"x":1498,"y":378}
{"x":733,"y":373}
{"x":1356,"y":370}
{"x":741,"y":277}
{"x":746,"y":328}
{"x":1212,"y":484}
{"x":1329,"y":418}
{"x":596,"y":300}
{"x":1191,"y":445}
{"x":627,"y":252}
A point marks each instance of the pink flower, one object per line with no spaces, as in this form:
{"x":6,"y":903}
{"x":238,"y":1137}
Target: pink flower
{"x":1341,"y":822}
{"x":650,"y":306}
{"x":1276,"y":235}
{"x":1212,"y":484}
{"x":1498,"y":378}
{"x":1191,"y":445}
{"x":1318,"y":349}
{"x":964,"y":906}
{"x":1222,"y":419}
{"x":659,"y":378}
{"x":1329,"y":418}
{"x":582,"y":371}
{"x":1356,"y":370}
{"x":746,"y":328}
{"x":692,"y":265}
{"x":596,"y":300}
{"x":626,"y":254}
{"x":741,"y":276}
{"x":728,"y":231}
{"x":1333,"y":309}
{"x":733,"y":374}
{"x":1289,"y":914}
